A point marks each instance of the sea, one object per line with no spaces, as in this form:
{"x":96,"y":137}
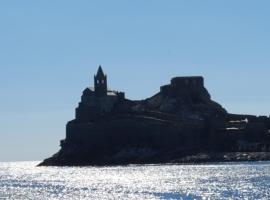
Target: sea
{"x":246,"y":180}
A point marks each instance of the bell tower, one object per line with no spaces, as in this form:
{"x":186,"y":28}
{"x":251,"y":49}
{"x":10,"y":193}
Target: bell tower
{"x":100,"y":83}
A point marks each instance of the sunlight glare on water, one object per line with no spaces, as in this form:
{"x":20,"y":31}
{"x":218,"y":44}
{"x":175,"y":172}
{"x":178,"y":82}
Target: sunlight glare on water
{"x":23,"y":180}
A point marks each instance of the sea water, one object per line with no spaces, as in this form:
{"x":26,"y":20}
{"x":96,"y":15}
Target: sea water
{"x":23,"y":180}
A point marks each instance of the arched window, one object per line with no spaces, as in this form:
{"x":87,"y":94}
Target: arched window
{"x":97,"y":81}
{"x":102,"y":81}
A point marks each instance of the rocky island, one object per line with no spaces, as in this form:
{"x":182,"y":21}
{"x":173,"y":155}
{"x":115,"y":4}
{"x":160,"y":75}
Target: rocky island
{"x":179,"y":124}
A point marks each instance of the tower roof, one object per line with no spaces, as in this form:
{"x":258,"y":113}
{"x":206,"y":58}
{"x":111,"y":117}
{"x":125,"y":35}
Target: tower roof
{"x":100,"y":72}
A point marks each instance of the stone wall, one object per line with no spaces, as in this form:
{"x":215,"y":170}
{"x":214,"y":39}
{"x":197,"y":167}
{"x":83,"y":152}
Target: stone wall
{"x":91,"y":106}
{"x":185,"y":86}
{"x":135,"y":131}
{"x":193,"y":81}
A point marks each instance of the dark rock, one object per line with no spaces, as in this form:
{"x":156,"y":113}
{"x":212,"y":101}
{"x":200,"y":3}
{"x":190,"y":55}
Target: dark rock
{"x":175,"y":125}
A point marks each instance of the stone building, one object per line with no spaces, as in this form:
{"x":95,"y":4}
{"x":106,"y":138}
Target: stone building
{"x":97,"y":101}
{"x":193,"y":85}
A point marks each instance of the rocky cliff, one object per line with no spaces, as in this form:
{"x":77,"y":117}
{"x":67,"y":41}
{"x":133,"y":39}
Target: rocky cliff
{"x":178,"y":122}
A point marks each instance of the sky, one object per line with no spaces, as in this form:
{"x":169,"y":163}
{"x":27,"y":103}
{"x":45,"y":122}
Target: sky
{"x":50,"y":51}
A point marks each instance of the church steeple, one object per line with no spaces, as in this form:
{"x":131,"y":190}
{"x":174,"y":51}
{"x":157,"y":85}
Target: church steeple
{"x":100,"y":72}
{"x":100,"y":83}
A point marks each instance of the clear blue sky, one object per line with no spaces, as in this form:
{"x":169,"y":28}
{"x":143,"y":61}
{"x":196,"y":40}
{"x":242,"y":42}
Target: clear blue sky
{"x":50,"y":50}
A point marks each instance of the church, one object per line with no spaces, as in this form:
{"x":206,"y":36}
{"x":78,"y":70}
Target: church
{"x":98,"y":100}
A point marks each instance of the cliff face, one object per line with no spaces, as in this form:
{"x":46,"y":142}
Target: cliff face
{"x":178,"y":121}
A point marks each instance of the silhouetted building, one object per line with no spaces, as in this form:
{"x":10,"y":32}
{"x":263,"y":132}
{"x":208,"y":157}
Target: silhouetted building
{"x":179,"y":121}
{"x":100,"y":83}
{"x":99,"y":100}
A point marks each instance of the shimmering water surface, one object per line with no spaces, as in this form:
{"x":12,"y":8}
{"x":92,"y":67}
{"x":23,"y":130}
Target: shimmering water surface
{"x":22,"y":180}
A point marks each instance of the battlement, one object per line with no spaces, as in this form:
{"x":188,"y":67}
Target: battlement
{"x":187,"y":81}
{"x":190,"y":84}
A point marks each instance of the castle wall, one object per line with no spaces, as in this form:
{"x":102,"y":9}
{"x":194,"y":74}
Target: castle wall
{"x":195,"y":81}
{"x":86,"y":113}
{"x":142,"y":132}
{"x":91,"y":106}
{"x":88,"y":100}
{"x":185,"y":85}
{"x":165,"y":89}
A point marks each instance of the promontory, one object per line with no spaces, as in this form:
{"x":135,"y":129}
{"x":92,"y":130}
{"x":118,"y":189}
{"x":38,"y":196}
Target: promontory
{"x":179,"y":124}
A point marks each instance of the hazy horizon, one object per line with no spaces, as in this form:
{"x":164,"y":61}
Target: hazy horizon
{"x":50,"y":52}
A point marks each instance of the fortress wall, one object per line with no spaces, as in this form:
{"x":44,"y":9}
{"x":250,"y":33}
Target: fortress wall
{"x":86,"y":114}
{"x":136,"y":132}
{"x":165,"y":89}
{"x":184,"y":85}
{"x":91,"y":107}
{"x":85,"y":133}
{"x":195,"y":81}
{"x":250,"y":118}
{"x":89,"y":100}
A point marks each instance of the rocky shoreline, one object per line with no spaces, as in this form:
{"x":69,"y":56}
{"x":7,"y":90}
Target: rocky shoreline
{"x":200,"y":158}
{"x":215,"y":157}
